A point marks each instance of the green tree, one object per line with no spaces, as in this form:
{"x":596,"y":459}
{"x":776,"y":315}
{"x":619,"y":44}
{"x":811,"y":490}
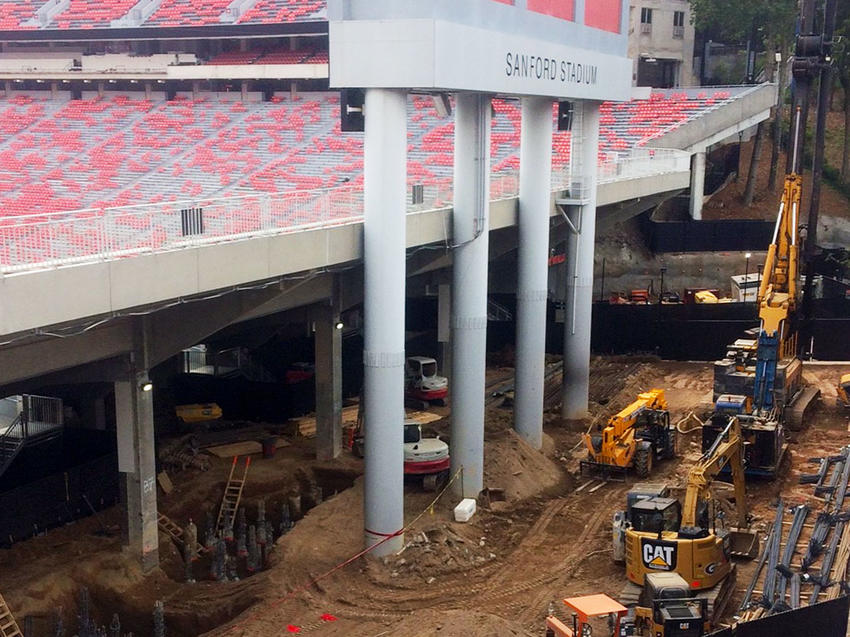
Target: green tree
{"x":769,"y":26}
{"x":733,"y":21}
{"x":842,"y":70}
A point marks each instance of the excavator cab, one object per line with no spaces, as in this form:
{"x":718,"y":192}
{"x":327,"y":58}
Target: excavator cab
{"x":667,"y":607}
{"x":656,"y":515}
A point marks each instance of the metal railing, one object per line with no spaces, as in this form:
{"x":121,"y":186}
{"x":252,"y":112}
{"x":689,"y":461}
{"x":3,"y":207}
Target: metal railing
{"x":35,"y":242}
{"x":15,"y":431}
{"x":41,"y":414}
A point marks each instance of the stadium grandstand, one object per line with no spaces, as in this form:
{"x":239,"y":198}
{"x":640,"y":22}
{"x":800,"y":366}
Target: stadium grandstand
{"x":122,"y":148}
{"x":99,"y":111}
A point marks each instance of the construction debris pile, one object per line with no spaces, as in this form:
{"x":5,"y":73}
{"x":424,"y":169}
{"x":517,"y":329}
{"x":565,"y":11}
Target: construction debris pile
{"x":805,"y":556}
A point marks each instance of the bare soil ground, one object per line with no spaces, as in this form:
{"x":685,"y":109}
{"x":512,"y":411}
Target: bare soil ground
{"x":496,"y":574}
{"x":727,"y":204}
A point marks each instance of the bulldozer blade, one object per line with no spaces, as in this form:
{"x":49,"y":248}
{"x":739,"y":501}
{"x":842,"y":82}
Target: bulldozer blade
{"x":744,"y":543}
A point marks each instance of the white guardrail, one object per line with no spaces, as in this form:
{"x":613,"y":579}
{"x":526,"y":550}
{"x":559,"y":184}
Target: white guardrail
{"x":40,"y":241}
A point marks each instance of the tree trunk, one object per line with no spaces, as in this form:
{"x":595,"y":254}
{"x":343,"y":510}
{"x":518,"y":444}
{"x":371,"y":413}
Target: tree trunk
{"x":755,"y":160}
{"x":845,"y":159}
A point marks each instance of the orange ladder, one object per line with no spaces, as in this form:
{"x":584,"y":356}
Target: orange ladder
{"x":8,"y":625}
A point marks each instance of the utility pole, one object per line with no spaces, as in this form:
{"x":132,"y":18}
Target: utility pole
{"x":810,"y":248}
{"x":803,"y":69}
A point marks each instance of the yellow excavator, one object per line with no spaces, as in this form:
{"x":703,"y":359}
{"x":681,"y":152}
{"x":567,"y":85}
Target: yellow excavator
{"x":657,"y":533}
{"x":636,"y":437}
{"x":844,"y":391}
{"x":761,"y":378}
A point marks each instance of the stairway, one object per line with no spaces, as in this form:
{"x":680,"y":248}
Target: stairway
{"x":232,"y":494}
{"x":8,"y":625}
{"x":11,"y":442}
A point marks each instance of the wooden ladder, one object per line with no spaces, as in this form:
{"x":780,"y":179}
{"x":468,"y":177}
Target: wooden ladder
{"x":8,"y":625}
{"x":232,"y":494}
{"x":175,"y":532}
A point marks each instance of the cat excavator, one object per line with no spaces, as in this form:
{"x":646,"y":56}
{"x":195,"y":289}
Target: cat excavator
{"x":636,"y":437}
{"x":660,"y":534}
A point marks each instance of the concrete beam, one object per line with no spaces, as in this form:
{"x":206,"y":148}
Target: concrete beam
{"x":19,"y":362}
{"x":610,"y":216}
{"x":182,"y":326}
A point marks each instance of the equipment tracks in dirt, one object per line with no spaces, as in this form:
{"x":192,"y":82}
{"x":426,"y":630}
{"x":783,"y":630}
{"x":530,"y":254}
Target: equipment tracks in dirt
{"x":505,"y":590}
{"x":550,"y":584}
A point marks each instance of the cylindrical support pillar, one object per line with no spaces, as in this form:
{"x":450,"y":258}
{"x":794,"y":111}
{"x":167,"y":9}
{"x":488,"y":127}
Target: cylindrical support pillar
{"x":579,"y":296}
{"x":535,"y":192}
{"x":469,"y":289}
{"x":384,"y":194}
{"x":137,"y":464}
{"x":697,"y":185}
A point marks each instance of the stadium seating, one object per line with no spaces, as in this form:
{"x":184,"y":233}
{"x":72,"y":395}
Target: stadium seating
{"x":14,"y":13}
{"x":270,"y":11}
{"x":90,"y":14}
{"x":173,"y":13}
{"x":275,"y":56}
{"x":60,"y":154}
{"x":235,"y":57}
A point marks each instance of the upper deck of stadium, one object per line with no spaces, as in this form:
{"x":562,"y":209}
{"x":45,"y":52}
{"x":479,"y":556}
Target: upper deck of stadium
{"x":55,"y":15}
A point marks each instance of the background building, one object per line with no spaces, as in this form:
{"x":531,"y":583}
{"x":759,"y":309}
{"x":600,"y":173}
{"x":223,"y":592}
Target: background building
{"x":661,"y":43}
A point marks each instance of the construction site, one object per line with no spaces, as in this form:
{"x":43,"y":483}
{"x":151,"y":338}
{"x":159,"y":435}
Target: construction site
{"x":542,"y":531}
{"x":315,"y":320}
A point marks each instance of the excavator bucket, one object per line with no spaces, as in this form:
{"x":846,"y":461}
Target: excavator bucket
{"x":744,"y":543}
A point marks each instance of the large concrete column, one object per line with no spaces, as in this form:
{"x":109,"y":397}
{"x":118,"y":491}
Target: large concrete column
{"x":328,"y":351}
{"x":469,"y":289}
{"x":444,"y":328}
{"x":580,"y":249}
{"x":535,"y":191}
{"x":697,"y":184}
{"x":137,"y":464}
{"x":385,"y":189}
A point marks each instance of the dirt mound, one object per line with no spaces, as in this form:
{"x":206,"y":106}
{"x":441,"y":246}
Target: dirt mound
{"x":513,"y":465}
{"x":457,"y":623}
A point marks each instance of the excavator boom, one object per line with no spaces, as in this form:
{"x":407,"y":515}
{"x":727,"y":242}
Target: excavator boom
{"x":726,"y":450}
{"x":777,"y":295}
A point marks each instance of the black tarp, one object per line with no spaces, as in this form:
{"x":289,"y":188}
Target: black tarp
{"x":733,"y":235}
{"x":58,"y":499}
{"x":827,"y":619}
